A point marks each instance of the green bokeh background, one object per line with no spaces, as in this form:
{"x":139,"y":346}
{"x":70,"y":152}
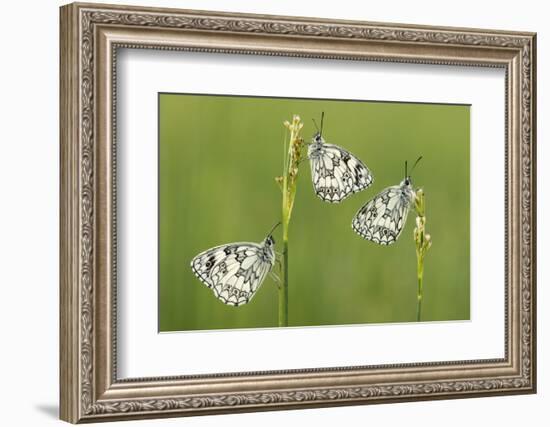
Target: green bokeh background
{"x":218,"y":156}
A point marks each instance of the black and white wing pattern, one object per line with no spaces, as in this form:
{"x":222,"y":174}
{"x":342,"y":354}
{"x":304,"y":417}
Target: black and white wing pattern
{"x":234,"y":271}
{"x":382,"y":219}
{"x":335,"y":172}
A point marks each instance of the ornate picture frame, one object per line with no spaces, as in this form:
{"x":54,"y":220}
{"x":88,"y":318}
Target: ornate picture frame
{"x":90,"y":37}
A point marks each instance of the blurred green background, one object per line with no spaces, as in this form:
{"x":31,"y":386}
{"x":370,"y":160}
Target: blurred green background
{"x":219,"y":156}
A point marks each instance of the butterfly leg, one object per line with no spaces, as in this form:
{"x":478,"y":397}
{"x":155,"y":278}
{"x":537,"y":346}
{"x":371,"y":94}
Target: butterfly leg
{"x":275,"y":278}
{"x":303,"y":160}
{"x":279,"y":260}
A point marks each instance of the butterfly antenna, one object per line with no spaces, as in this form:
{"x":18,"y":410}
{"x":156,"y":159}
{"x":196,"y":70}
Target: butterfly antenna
{"x":273,"y":228}
{"x":322,"y":118}
{"x":415,"y":163}
{"x":406,"y":169}
{"x":315,"y":124}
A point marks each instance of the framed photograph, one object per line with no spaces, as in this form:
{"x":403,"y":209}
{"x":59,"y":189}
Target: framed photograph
{"x":267,"y":212}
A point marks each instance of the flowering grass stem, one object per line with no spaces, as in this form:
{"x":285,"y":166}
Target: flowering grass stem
{"x":288,"y":183}
{"x":423,"y":242}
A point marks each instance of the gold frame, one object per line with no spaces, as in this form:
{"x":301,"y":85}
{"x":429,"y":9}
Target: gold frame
{"x":90,"y":36}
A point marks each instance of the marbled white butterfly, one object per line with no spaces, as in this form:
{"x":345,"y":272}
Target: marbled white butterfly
{"x":383,"y":218}
{"x":335,"y":172}
{"x":235,"y":271}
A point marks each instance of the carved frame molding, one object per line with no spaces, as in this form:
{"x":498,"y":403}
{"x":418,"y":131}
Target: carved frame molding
{"x":90,"y":37}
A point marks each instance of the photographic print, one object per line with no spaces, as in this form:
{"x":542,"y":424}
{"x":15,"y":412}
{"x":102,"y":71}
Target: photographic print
{"x":281,"y":212}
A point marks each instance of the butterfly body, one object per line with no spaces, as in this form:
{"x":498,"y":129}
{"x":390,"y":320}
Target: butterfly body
{"x":235,"y":271}
{"x":335,"y":172}
{"x":383,"y":218}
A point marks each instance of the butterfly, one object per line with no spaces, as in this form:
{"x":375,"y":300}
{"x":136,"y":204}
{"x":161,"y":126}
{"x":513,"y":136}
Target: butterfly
{"x":382,"y":219}
{"x":335,"y":172}
{"x":235,"y":271}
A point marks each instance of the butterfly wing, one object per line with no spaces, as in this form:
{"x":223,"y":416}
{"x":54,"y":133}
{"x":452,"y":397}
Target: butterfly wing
{"x":234,"y":272}
{"x":336,"y":173}
{"x":382,"y":219}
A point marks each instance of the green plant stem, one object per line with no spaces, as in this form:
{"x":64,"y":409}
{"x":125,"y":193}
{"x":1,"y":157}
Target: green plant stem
{"x":288,"y":187}
{"x":423,"y":242}
{"x":283,"y":287}
{"x":419,"y":295}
